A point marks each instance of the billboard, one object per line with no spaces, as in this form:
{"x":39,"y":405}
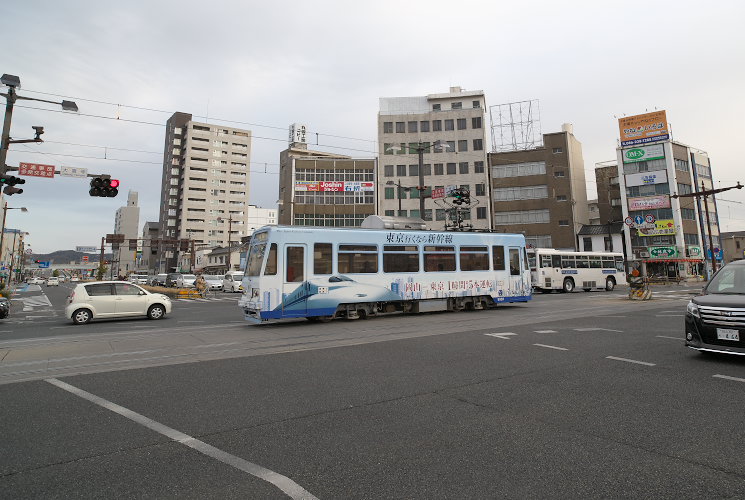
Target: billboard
{"x":649,"y":202}
{"x":646,"y":178}
{"x":334,"y":186}
{"x":643,"y":129}
{"x":664,"y":226}
{"x":643,"y":153}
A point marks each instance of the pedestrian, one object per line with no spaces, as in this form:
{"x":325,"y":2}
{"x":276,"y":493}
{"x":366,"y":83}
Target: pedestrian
{"x":201,"y":285}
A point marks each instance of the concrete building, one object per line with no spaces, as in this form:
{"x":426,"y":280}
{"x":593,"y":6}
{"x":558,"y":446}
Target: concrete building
{"x":127,"y":222}
{"x":259,"y":217}
{"x":601,"y":238}
{"x":733,"y":245}
{"x":149,"y":258}
{"x":593,"y":212}
{"x":450,"y":128}
{"x":609,"y":192}
{"x":676,"y":243}
{"x":205,"y":183}
{"x":541,"y":192}
{"x":324,"y":189}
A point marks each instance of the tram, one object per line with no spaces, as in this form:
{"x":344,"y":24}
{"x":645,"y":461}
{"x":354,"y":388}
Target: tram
{"x":325,"y":273}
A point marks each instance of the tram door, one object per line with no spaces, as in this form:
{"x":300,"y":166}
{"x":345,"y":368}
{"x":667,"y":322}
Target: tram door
{"x":294,"y":286}
{"x":516,"y":267}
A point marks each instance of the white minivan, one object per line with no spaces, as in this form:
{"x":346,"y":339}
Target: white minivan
{"x":114,"y":299}
{"x":233,"y":281}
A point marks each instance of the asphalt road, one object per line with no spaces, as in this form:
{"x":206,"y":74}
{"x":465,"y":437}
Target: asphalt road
{"x":577,"y":395}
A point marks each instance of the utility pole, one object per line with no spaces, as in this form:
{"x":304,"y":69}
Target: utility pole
{"x":230,"y":228}
{"x":704,"y":193}
{"x":99,"y":274}
{"x":420,"y":148}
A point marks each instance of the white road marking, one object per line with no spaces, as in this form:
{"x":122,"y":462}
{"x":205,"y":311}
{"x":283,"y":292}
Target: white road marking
{"x":503,"y":336}
{"x":631,"y":361}
{"x":670,"y":315}
{"x":552,"y":347}
{"x":727,"y":377}
{"x":284,"y":483}
{"x":666,"y":337}
{"x":612,"y":316}
{"x":595,"y":329}
{"x":545,"y":331}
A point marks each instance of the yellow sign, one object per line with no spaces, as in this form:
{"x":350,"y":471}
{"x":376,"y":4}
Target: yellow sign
{"x":664,"y":226}
{"x":643,"y":129}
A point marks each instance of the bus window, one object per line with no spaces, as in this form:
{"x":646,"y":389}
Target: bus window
{"x":400,"y":259}
{"x":438,"y":259}
{"x":556,"y":261}
{"x":498,"y":257}
{"x":271,"y":261}
{"x":608,"y":263}
{"x":474,"y":258}
{"x":595,"y":262}
{"x":295,"y":264}
{"x":583,"y":262}
{"x":360,"y":259}
{"x":322,"y":258}
{"x":546,"y":261}
{"x":619,"y":264}
{"x":567,"y":262}
{"x":514,"y":262}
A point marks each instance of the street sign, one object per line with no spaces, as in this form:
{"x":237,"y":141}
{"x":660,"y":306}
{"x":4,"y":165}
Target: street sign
{"x":639,"y":219}
{"x":438,"y":193}
{"x":44,"y":265}
{"x":73,"y":172}
{"x":629,"y":221}
{"x":87,"y":249}
{"x":649,"y":218}
{"x":29,"y":251}
{"x":114,"y":238}
{"x":85,"y":258}
{"x":36,"y":170}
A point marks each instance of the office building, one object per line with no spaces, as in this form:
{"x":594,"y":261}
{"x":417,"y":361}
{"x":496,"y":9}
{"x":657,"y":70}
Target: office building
{"x":609,"y":192}
{"x":324,"y":189}
{"x":149,"y":258}
{"x":205,"y":184}
{"x":541,"y":191}
{"x":260,"y":217}
{"x":733,"y":245}
{"x":593,"y":212}
{"x":450,"y":129}
{"x":675,"y":239}
{"x":127,"y":222}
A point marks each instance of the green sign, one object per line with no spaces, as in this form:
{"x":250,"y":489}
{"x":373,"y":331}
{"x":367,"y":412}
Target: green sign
{"x":643,"y":153}
{"x":663,"y":252}
{"x":694,"y":251}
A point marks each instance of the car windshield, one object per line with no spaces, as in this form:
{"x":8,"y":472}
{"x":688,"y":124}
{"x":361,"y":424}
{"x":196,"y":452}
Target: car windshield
{"x":730,"y":280}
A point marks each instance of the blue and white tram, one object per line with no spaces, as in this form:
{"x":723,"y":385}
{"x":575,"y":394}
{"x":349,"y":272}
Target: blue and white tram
{"x":325,"y":273}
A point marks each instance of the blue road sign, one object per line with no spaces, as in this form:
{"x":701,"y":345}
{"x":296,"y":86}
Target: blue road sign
{"x":43,"y":265}
{"x":639,"y":219}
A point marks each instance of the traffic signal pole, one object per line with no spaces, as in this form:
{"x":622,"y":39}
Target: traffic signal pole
{"x":9,"y":101}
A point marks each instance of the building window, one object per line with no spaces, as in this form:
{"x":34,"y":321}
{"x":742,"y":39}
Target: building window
{"x":388,"y":148}
{"x":476,"y":104}
{"x":540,"y":216}
{"x":387,"y":127}
{"x":401,"y":170}
{"x":412,"y":127}
{"x":428,"y":214}
{"x":561,"y":197}
{"x":481,"y":212}
{"x":587,"y":244}
{"x":402,"y":213}
{"x":478,"y":167}
{"x":449,"y":124}
{"x":608,"y":244}
{"x":478,"y":144}
{"x":613,"y":181}
{"x":563,"y":222}
{"x":390,"y":213}
{"x":681,"y":165}
{"x":436,"y":107}
{"x":538,"y":241}
{"x":389,"y":193}
{"x":519,"y":169}
{"x":413,"y":213}
{"x":463,"y":167}
{"x":400,"y":127}
{"x":615,"y":202}
{"x":688,"y":213}
{"x":558,"y":173}
{"x":684,"y":189}
{"x":456,"y":105}
{"x":388,"y":171}
{"x":413,"y":170}
{"x":424,"y":126}
{"x":521,"y":193}
{"x":439,"y":170}
{"x":440,"y":214}
{"x":463,"y":145}
{"x":480,"y":190}
{"x":451,"y":169}
{"x":461,"y":123}
{"x":690,"y":238}
{"x":436,"y":125}
{"x":557,"y":150}
{"x":476,"y":121}
{"x":427,"y":168}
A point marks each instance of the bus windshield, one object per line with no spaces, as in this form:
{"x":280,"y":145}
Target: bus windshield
{"x":255,"y":259}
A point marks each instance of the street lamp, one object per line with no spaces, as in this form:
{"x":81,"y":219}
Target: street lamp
{"x":2,"y":227}
{"x":398,"y":191}
{"x":13,"y":83}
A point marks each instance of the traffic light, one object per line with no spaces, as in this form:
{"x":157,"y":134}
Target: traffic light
{"x":11,"y":181}
{"x":104,"y":187}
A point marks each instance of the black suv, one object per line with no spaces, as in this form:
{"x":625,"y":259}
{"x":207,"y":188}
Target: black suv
{"x":715,"y":320}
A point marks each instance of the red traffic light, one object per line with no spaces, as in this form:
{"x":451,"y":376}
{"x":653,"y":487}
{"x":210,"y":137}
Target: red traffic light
{"x":115,"y":183}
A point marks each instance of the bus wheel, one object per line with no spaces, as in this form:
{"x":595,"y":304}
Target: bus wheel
{"x":568,"y":285}
{"x":610,"y":284}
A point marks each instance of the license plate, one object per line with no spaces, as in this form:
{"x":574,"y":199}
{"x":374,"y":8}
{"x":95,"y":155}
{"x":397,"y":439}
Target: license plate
{"x":727,"y":334}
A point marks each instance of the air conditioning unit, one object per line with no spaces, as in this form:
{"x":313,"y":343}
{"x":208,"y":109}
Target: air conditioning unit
{"x":643,"y":255}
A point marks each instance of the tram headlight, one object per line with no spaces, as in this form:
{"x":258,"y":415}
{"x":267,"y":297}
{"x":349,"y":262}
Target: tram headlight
{"x":254,"y":292}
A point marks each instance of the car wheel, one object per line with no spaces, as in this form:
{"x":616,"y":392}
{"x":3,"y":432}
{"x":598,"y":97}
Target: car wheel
{"x":610,"y":284}
{"x":156,"y":312}
{"x":82,"y":316}
{"x":568,"y":286}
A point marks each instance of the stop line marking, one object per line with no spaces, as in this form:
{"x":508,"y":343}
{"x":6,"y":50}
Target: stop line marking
{"x":727,"y":377}
{"x":552,"y":347}
{"x":626,"y":360}
{"x":503,"y":336}
{"x":545,"y":331}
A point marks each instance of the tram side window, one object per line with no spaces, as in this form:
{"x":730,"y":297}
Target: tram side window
{"x":514,"y":262}
{"x":567,"y":262}
{"x":619,"y":264}
{"x":322,"y":258}
{"x":295,"y":264}
{"x":360,"y":259}
{"x":583,"y":262}
{"x":437,"y":259}
{"x":474,"y":258}
{"x":271,"y":261}
{"x":608,"y":263}
{"x":400,"y":259}
{"x":498,"y":257}
{"x":595,"y":262}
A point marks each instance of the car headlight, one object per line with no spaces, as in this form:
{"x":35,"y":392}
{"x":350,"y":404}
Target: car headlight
{"x":692,"y":309}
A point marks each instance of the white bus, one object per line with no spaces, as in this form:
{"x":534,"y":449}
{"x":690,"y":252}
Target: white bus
{"x":325,"y":273}
{"x":566,"y":270}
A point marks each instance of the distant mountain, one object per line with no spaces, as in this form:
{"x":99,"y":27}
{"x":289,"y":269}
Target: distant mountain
{"x":67,"y":256}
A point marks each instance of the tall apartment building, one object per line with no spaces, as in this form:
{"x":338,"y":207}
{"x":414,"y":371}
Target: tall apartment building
{"x":456,"y":119}
{"x":654,"y":167}
{"x":324,"y":189}
{"x":541,"y":192}
{"x":205,"y":183}
{"x":127,"y":222}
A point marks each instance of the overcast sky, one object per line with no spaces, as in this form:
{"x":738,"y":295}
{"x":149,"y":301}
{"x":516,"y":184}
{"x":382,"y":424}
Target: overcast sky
{"x":326,"y":63}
